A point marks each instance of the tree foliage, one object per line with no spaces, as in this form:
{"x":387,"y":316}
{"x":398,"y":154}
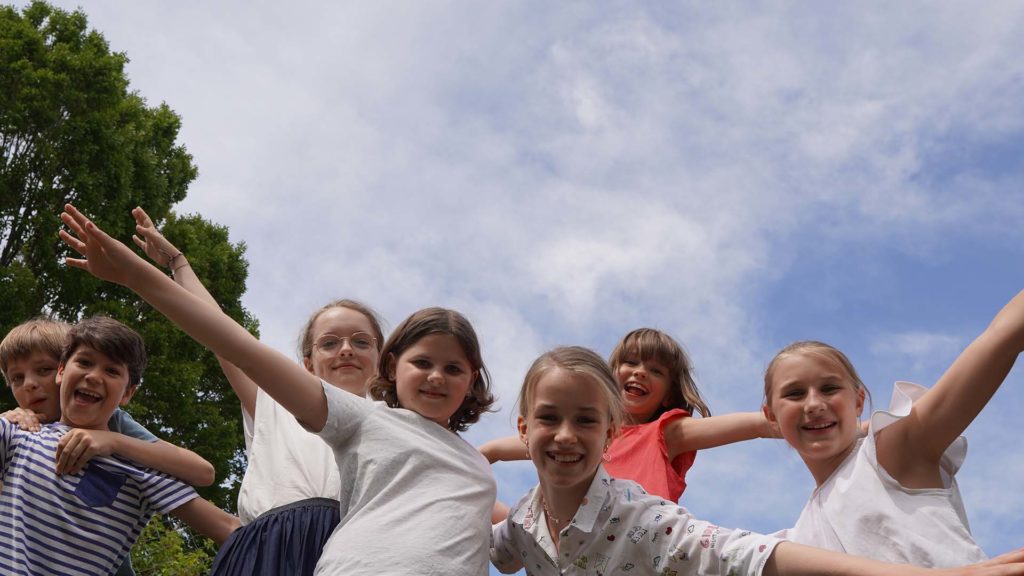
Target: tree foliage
{"x":72,"y":131}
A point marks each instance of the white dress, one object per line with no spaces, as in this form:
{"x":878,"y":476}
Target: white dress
{"x":860,"y":509}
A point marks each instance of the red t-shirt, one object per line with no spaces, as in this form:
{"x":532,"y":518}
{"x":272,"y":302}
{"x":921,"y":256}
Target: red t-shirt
{"x":640,"y":454}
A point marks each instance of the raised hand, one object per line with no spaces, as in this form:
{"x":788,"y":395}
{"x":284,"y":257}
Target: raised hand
{"x":152,"y":242}
{"x":105,"y":257}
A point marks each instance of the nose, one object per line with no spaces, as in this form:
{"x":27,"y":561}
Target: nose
{"x":814,"y":402}
{"x":640,"y":371}
{"x":345,"y":347}
{"x":435,"y":376}
{"x":565,"y":434}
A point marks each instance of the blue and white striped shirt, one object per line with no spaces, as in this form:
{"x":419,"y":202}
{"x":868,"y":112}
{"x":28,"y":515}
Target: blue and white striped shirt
{"x":75,"y":524}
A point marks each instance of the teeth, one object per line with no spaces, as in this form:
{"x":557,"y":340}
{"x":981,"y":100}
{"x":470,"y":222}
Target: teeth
{"x":633,"y":389}
{"x":818,"y":426}
{"x":566,"y":458}
{"x":88,"y":393}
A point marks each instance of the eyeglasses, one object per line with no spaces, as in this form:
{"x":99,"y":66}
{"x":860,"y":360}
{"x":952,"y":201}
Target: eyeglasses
{"x":331,"y":344}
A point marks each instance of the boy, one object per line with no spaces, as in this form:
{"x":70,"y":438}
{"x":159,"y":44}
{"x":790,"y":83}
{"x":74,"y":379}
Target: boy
{"x":83,"y":522}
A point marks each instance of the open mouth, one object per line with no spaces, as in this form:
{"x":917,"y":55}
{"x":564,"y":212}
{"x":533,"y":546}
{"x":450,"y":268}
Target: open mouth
{"x":819,"y":426}
{"x":634,"y":389}
{"x":87,"y":397}
{"x":565,"y":458}
{"x":433,"y":394}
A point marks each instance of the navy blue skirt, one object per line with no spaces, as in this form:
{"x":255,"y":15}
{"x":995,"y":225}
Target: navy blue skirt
{"x":285,"y":540}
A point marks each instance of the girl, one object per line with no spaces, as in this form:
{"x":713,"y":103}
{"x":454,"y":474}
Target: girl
{"x":891,"y":495}
{"x":288,"y":501}
{"x":580,"y":520}
{"x":660,"y":440}
{"x":417,"y":497}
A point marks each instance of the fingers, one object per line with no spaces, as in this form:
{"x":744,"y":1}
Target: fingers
{"x":74,"y":450}
{"x":141,"y":218}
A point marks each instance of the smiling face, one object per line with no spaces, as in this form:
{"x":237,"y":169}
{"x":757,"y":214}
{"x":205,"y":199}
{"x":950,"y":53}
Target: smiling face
{"x":566,"y":427}
{"x":645,"y":387}
{"x":339,"y":362}
{"x":817,"y":407}
{"x":432,"y":377}
{"x":91,"y":388}
{"x":33,"y":381}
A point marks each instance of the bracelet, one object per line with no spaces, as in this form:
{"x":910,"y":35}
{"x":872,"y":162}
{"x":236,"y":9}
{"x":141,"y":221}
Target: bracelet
{"x":170,"y":261}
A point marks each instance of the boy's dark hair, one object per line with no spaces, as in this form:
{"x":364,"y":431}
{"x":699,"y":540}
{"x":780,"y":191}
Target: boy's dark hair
{"x":42,"y":334}
{"x":424,"y":323}
{"x":117,"y":341}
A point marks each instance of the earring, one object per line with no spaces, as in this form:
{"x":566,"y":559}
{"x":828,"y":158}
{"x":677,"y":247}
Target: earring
{"x":604,"y":455}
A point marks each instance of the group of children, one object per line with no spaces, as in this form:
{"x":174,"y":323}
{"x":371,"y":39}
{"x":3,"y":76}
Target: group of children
{"x":356,"y":465}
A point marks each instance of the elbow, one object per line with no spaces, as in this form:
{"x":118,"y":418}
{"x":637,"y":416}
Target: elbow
{"x":202,"y":476}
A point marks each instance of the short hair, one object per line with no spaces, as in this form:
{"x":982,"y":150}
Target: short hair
{"x":578,"y":360}
{"x":306,"y":338}
{"x":424,"y":323}
{"x":650,"y":344}
{"x":817,"y":348}
{"x":117,"y":341}
{"x":41,"y":334}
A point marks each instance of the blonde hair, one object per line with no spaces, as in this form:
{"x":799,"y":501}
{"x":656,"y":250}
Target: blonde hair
{"x":424,"y":323}
{"x":817,"y":348}
{"x":580,"y":361}
{"x":42,"y":334}
{"x":650,"y":344}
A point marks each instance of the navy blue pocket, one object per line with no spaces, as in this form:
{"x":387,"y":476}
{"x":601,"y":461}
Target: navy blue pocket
{"x":99,"y":487}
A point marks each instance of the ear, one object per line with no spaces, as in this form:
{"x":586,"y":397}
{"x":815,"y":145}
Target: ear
{"x":521,"y":426}
{"x":308,"y":364}
{"x":60,"y":374}
{"x":389,"y":365}
{"x":769,"y":414}
{"x":860,"y":401}
{"x":129,"y":391}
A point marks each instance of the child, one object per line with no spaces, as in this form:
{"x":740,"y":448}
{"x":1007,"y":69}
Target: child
{"x":402,"y":464}
{"x":660,"y":440}
{"x":86,"y":522}
{"x":288,"y":501}
{"x":29,"y":356}
{"x":580,"y":520}
{"x":891,"y":495}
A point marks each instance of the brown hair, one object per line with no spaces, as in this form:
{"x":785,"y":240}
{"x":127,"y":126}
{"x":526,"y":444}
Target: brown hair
{"x":112,"y":338}
{"x":580,"y":361}
{"x":424,"y":323}
{"x":42,"y":334}
{"x":813,"y":347}
{"x":306,"y":339}
{"x":650,"y":344}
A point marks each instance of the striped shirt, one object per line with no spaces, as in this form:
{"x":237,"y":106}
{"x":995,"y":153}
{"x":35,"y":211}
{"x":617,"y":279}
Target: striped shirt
{"x":75,"y":524}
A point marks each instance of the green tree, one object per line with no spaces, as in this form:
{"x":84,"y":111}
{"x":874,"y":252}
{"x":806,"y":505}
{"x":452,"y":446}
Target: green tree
{"x":72,"y":131}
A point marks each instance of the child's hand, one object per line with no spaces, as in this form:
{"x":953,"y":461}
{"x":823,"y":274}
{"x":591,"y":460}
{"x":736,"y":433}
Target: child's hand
{"x":152,"y":242}
{"x":105,"y":258}
{"x":25,"y":419}
{"x":79,"y":445}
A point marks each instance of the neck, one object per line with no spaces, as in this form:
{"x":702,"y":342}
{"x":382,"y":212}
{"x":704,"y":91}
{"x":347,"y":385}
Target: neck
{"x":561,"y":503}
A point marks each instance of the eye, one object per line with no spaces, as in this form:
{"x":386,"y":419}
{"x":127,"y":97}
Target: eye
{"x":454,"y":369}
{"x":114,"y":371}
{"x":586,"y":420}
{"x":421,"y":363}
{"x":629,"y":362}
{"x":793,"y":394}
{"x":83,"y":362}
{"x":361,"y":341}
{"x":46,"y":371}
{"x":328,"y":344}
{"x":548,"y":418}
{"x":657,"y":371}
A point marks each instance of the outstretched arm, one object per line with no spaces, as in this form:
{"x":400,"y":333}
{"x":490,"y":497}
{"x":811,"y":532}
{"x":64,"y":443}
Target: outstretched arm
{"x":790,"y":559}
{"x":688,"y":434}
{"x":79,"y":445}
{"x":911,"y":448}
{"x":507,"y":449}
{"x":165,"y":254}
{"x":207,"y":519}
{"x":292,"y":386}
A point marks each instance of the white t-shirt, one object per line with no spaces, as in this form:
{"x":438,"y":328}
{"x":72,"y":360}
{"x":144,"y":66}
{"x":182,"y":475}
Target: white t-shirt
{"x":287,"y":463}
{"x":860,"y":509}
{"x":418,"y":496}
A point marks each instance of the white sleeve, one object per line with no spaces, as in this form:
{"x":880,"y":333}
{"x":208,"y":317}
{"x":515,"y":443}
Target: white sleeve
{"x":345,"y":413}
{"x":503,"y":554}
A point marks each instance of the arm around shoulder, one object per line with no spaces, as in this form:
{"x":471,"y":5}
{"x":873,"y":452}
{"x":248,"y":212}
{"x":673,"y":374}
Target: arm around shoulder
{"x":507,"y":449}
{"x":687,"y":434}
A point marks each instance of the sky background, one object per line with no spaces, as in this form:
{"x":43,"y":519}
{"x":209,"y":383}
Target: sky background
{"x":738,"y":175}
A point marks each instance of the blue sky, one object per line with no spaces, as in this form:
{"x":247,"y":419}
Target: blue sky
{"x":739,"y":175}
